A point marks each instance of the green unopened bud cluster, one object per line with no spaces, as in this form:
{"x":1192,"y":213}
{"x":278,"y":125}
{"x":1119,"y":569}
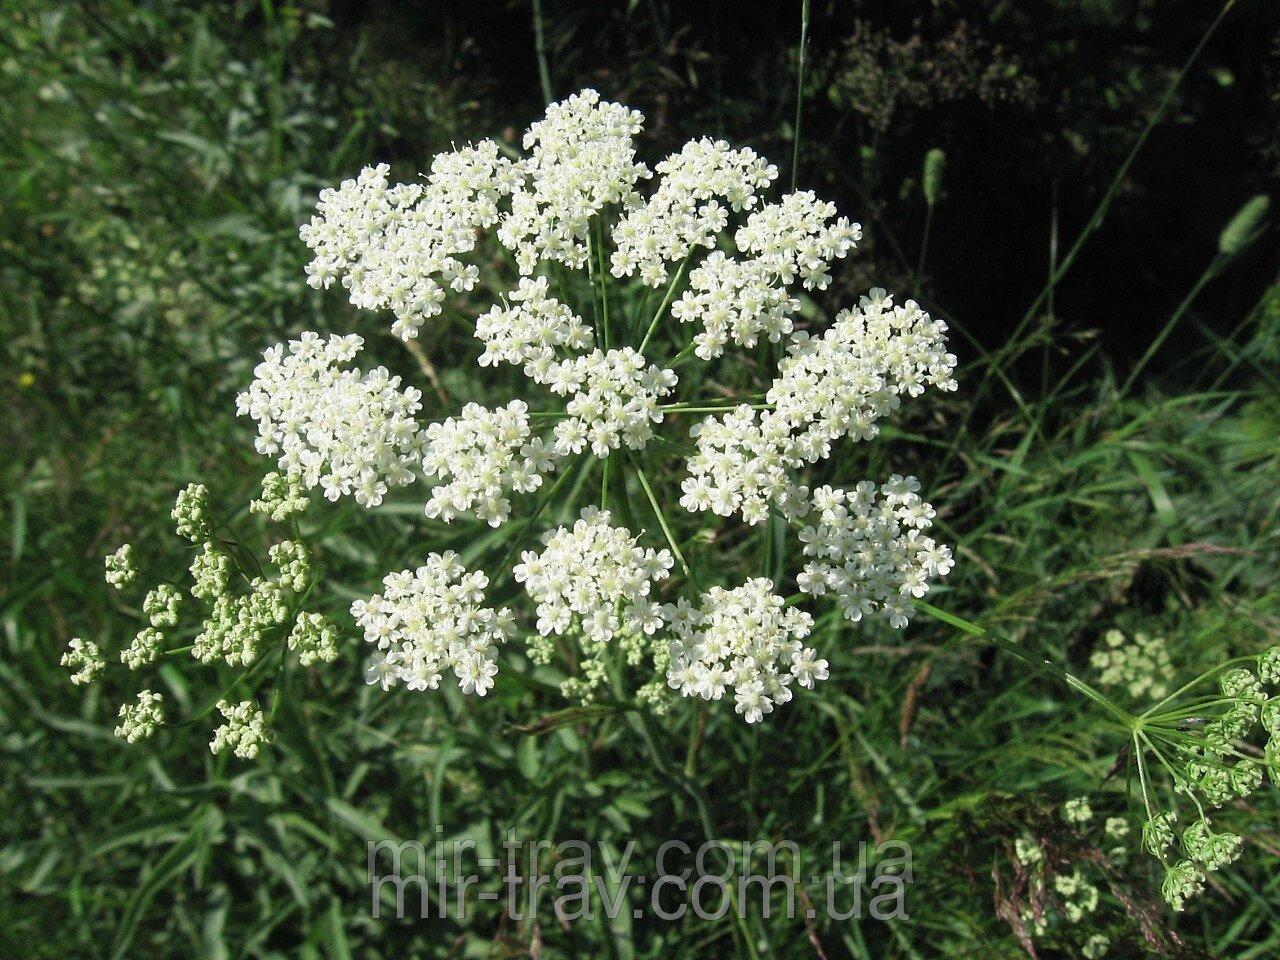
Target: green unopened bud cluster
{"x":293,"y":563}
{"x":314,"y":638}
{"x":1201,"y":744}
{"x":237,"y":624}
{"x":243,"y":733}
{"x":210,"y":573}
{"x":1140,"y":666}
{"x":144,"y":648}
{"x":282,"y":497}
{"x":140,"y":720}
{"x":162,"y":605}
{"x":235,"y":629}
{"x":120,"y":569}
{"x":191,"y":513}
{"x":84,"y":660}
{"x":1066,"y":893}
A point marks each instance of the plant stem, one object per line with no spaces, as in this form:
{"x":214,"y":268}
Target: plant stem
{"x":604,"y":290}
{"x":804,"y":42}
{"x":924,"y":248}
{"x":1210,"y":272}
{"x":1126,"y":719}
{"x":540,"y":49}
{"x":662,"y":308}
{"x":666,"y":530}
{"x":1198,"y":680}
{"x":528,"y":526}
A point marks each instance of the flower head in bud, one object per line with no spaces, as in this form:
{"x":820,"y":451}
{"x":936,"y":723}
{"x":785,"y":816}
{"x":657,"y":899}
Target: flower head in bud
{"x":1077,"y":810}
{"x":210,"y":573}
{"x":1139,"y":665}
{"x":120,"y":569}
{"x":293,"y":562}
{"x":314,"y":638}
{"x":141,"y":720}
{"x":144,"y":648}
{"x":162,"y":604}
{"x":243,"y":733}
{"x":282,"y":497}
{"x":191,"y":513}
{"x":1182,"y":882}
{"x":84,"y":660}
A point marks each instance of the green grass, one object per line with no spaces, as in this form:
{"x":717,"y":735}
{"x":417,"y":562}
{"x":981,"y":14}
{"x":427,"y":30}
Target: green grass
{"x":150,"y":255}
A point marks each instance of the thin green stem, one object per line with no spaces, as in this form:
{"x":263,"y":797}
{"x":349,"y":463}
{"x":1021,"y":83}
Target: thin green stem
{"x":804,"y":43}
{"x":1126,"y":719}
{"x":1196,"y":682}
{"x":1209,"y":273}
{"x":666,"y":530}
{"x":666,"y":300}
{"x":677,"y":408}
{"x":528,"y":525}
{"x":1142,"y":774}
{"x":540,"y":49}
{"x":591,"y":282}
{"x":1099,"y":214}
{"x":1178,"y":777}
{"x":924,"y":248}
{"x":603,"y":281}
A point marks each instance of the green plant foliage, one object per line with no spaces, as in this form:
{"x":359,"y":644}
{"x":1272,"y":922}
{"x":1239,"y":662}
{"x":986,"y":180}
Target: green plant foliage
{"x":158,"y":159}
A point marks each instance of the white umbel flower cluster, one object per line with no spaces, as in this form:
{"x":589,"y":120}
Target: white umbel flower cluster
{"x":793,"y":239}
{"x":483,"y":455}
{"x":432,"y":619}
{"x":594,"y":577}
{"x":530,"y":331}
{"x":744,"y":299}
{"x":574,"y":200}
{"x":841,"y":383}
{"x":614,"y":400}
{"x":398,"y":247}
{"x":348,"y":433}
{"x":744,"y":463}
{"x":244,"y":732}
{"x":84,"y":659}
{"x":142,"y":719}
{"x":582,"y":159}
{"x":868,"y":548}
{"x":829,"y":387}
{"x":685,"y":212}
{"x":734,"y":300}
{"x":746,"y":640}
